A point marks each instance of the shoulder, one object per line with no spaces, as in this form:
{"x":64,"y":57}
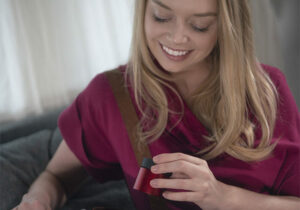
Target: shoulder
{"x":285,"y":96}
{"x":99,"y":90}
{"x":288,"y":116}
{"x":92,"y":108}
{"x":99,"y":84}
{"x":274,"y":73}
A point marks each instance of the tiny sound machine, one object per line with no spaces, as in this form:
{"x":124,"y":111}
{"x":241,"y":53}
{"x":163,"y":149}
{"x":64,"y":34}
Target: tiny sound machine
{"x":142,"y":182}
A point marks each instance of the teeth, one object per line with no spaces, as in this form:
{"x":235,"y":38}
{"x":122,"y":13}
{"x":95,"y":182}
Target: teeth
{"x":174,"y":52}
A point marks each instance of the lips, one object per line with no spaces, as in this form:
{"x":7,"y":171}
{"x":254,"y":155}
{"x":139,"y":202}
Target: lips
{"x":175,"y":54}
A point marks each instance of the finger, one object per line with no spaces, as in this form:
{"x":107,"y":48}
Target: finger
{"x":179,"y":175}
{"x":181,"y":196}
{"x":180,"y":166}
{"x":168,"y":157}
{"x":178,"y":184}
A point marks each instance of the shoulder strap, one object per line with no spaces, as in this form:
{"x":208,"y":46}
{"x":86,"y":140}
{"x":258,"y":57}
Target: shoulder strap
{"x":130,"y":119}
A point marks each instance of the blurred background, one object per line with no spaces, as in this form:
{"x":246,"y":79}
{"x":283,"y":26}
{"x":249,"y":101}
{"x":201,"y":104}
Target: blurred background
{"x":51,"y":49}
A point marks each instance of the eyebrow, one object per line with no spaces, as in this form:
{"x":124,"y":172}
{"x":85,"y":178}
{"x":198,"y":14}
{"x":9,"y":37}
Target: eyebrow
{"x":197,"y":15}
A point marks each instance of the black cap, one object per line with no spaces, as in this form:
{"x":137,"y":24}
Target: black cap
{"x":147,"y":163}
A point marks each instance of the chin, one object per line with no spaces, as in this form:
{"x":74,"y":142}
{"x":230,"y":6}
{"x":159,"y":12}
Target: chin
{"x":171,"y":68}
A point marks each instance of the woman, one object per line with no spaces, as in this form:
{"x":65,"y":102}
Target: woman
{"x":226,"y":127}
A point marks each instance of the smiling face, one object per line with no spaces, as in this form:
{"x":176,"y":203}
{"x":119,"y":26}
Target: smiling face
{"x":181,"y":33}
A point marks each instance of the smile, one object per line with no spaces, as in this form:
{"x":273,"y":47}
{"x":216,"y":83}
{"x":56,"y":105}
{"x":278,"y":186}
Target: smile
{"x":175,"y":52}
{"x":175,"y":55}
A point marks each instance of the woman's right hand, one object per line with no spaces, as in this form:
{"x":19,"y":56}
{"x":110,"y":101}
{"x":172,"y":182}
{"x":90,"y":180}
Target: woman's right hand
{"x":31,"y":202}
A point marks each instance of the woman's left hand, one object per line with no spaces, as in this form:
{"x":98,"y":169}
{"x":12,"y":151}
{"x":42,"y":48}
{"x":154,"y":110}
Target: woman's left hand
{"x":191,"y":175}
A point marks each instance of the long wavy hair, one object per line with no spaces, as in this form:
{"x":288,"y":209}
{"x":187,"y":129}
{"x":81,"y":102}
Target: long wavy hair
{"x":236,"y":89}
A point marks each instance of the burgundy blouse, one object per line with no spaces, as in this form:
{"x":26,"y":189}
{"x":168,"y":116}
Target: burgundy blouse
{"x":93,"y":128}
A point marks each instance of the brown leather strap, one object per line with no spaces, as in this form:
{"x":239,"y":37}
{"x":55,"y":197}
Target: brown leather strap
{"x":131,"y":120}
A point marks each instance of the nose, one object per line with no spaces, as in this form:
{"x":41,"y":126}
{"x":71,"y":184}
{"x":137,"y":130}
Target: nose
{"x":177,"y":34}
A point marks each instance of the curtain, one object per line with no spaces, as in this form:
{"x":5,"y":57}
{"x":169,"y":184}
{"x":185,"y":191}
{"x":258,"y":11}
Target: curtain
{"x":267,"y":43}
{"x":50,"y":50}
{"x":288,"y":15}
{"x":277,"y":32}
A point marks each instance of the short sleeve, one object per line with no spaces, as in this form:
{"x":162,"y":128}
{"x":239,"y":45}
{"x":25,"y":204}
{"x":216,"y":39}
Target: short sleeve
{"x":82,"y":126}
{"x":287,"y":130}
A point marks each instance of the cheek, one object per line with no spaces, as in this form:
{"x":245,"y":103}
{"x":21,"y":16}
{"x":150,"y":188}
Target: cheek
{"x":147,"y":28}
{"x":207,"y":42}
{"x":153,"y":31}
{"x":213,"y":36}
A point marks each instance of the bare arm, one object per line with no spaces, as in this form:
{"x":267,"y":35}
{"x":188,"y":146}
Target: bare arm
{"x":61,"y":177}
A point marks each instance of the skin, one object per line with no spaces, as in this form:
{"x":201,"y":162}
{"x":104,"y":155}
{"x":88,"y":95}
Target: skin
{"x":47,"y":191}
{"x":192,"y":175}
{"x":188,"y":173}
{"x":202,"y":188}
{"x":190,"y":26}
{"x":176,"y":30}
{"x":181,"y":29}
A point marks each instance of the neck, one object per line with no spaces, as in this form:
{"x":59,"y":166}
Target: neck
{"x":189,"y":81}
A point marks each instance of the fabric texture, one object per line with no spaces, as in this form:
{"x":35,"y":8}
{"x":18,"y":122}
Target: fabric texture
{"x":23,"y":159}
{"x":93,"y":129}
{"x":44,"y":42}
{"x":17,"y":129}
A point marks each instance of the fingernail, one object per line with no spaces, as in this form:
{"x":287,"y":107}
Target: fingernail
{"x":153,"y":168}
{"x":153,"y":183}
{"x":155,"y":159}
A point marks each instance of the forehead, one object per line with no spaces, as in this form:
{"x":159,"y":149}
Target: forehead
{"x":186,"y":6}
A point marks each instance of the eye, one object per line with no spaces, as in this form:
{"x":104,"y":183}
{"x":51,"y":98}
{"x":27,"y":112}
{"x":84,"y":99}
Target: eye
{"x":197,"y":29}
{"x":160,"y":20}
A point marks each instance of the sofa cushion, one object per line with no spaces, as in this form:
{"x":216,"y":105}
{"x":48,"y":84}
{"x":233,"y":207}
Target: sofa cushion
{"x":55,"y":141}
{"x":29,"y":125}
{"x":21,"y":161}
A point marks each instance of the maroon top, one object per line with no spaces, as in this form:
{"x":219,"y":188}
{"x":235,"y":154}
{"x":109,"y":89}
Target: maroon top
{"x":93,"y":128}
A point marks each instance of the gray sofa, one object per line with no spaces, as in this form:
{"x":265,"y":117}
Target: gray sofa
{"x":25,"y":149}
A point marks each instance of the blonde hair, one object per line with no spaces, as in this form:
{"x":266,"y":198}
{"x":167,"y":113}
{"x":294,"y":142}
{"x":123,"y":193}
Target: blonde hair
{"x":236,"y":88}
